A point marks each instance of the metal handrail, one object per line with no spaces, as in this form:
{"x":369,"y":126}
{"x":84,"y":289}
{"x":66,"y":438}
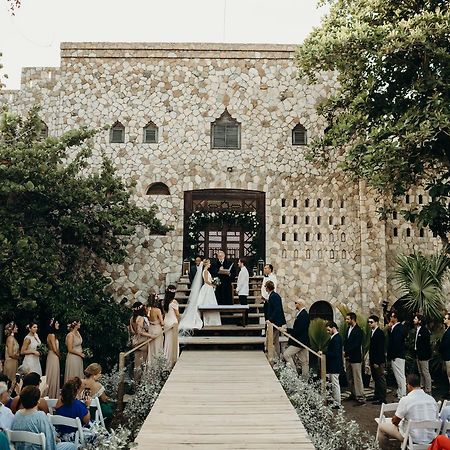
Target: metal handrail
{"x":123,"y":355}
{"x":271,"y":350}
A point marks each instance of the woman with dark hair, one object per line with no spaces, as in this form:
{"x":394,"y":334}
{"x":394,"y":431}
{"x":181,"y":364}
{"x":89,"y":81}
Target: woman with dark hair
{"x":29,"y":349}
{"x":69,"y":406}
{"x":171,"y":318}
{"x":139,"y":326}
{"x":12,"y":353}
{"x":75,"y":355}
{"x":28,"y":418}
{"x":52,"y":370}
{"x":30,"y":379}
{"x":155,"y":317}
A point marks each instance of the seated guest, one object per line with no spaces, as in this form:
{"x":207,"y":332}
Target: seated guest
{"x":28,"y":418}
{"x":417,"y":405}
{"x":93,"y":389}
{"x":31,"y":379}
{"x":6,"y":415}
{"x":70,"y":406}
{"x":440,"y":443}
{"x":5,"y":398}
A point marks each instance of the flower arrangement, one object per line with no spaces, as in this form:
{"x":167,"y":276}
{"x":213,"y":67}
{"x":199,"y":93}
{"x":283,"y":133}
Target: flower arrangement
{"x":88,"y":353}
{"x":42,"y":349}
{"x":216,"y":282}
{"x":118,"y":439}
{"x":248,"y":220}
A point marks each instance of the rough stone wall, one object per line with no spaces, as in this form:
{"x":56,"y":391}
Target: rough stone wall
{"x":343,"y":254}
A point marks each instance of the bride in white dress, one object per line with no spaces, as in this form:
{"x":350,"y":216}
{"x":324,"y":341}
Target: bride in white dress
{"x":200,"y":295}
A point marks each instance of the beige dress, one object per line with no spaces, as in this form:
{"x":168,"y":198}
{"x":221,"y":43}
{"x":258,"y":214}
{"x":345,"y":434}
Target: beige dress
{"x":11,"y":364}
{"x":140,"y":356}
{"x":170,"y":319}
{"x":52,"y":371}
{"x":74,"y":363}
{"x":156,"y":346}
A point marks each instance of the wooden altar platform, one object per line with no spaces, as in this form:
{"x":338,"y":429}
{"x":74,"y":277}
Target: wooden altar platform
{"x":223,"y":400}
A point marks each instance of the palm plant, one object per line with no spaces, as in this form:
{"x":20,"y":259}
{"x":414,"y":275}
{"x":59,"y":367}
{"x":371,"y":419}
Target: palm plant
{"x":318,"y":336}
{"x":421,"y":279}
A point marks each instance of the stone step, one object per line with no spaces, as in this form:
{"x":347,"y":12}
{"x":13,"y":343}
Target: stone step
{"x":237,"y":328}
{"x":225,"y":340}
{"x":251,"y":302}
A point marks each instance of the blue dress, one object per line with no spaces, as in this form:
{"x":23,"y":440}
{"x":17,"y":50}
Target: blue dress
{"x":37,"y":422}
{"x":76,"y":409}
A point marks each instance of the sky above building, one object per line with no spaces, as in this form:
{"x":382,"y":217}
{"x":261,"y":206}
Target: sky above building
{"x":32,"y":37}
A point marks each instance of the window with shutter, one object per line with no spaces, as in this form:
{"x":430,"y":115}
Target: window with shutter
{"x":117,"y":134}
{"x":150,"y":133}
{"x":299,"y":135}
{"x":226,"y":132}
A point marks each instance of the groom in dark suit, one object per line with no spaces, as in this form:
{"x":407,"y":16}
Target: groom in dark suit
{"x":224,"y":292}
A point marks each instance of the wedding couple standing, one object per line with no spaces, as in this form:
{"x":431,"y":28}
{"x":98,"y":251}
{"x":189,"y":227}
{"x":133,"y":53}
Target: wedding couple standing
{"x":205,"y":293}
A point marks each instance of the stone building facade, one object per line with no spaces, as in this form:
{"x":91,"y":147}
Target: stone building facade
{"x":322,"y":232}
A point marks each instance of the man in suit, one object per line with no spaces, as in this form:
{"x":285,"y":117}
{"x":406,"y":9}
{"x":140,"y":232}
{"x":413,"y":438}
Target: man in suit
{"x":444,"y":347}
{"x":299,"y":332}
{"x":422,"y":350}
{"x":275,"y":314}
{"x":194,"y":268}
{"x":377,"y":360}
{"x":224,"y":292}
{"x":396,"y":352}
{"x":335,"y":366}
{"x":353,"y":358}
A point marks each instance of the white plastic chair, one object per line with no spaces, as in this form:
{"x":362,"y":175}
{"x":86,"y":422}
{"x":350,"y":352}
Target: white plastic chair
{"x":385,"y":408}
{"x":51,"y":402}
{"x":99,"y":420}
{"x":26,"y":436}
{"x":420,"y":425}
{"x":70,"y":422}
{"x":445,"y":403}
{"x":445,"y":427}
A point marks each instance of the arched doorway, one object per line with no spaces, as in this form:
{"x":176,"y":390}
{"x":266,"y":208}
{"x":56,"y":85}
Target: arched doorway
{"x":229,"y":219}
{"x":322,"y":310}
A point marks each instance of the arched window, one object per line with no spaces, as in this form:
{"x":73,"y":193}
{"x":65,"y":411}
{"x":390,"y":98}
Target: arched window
{"x":319,"y":236}
{"x":299,"y":135}
{"x":295,"y":237}
{"x":344,"y":254}
{"x":283,"y":220}
{"x":321,"y":310}
{"x":420,"y":199}
{"x":158,"y":189}
{"x":331,"y":254}
{"x":283,"y":202}
{"x":294,"y":203}
{"x":226,"y":132}
{"x":150,"y":133}
{"x":295,"y":220}
{"x":283,"y":236}
{"x":306,"y":220}
{"x":395,"y":232}
{"x":319,"y":202}
{"x":318,"y":220}
{"x":421,"y":232}
{"x":330,"y":220}
{"x":308,"y":254}
{"x":342,"y":203}
{"x":342,"y":220}
{"x":394,"y":215}
{"x":117,"y":133}
{"x":306,"y":202}
{"x":307,"y":237}
{"x":330,"y":203}
{"x":408,"y":232}
{"x":342,"y":237}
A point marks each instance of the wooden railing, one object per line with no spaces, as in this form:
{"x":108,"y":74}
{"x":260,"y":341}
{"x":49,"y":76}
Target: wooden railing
{"x":271,"y":352}
{"x":124,"y":355}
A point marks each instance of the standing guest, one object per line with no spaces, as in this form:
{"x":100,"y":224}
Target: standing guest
{"x":156,"y":323}
{"x":194,"y":268}
{"x":69,"y":406}
{"x":52,"y":370}
{"x":30,"y":379}
{"x":299,"y":332}
{"x":396,"y":353}
{"x":377,"y":360}
{"x":353,"y":358}
{"x":30,"y":419}
{"x":334,"y":362}
{"x":422,"y":350}
{"x":275,"y":314}
{"x":29,"y":349}
{"x":268,"y":276}
{"x":94,"y":389}
{"x":223,"y":269}
{"x":444,"y":347}
{"x":75,"y":355}
{"x":242,"y":286}
{"x":416,"y":406}
{"x":12,"y":353}
{"x":171,"y":317}
{"x":139,"y":326}
{"x":6,"y":415}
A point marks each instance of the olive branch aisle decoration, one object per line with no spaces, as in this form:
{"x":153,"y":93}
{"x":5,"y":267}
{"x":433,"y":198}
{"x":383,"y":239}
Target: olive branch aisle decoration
{"x":199,"y":220}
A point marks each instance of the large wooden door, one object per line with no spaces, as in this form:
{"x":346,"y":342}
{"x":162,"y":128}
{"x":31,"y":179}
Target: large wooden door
{"x":234,"y":241}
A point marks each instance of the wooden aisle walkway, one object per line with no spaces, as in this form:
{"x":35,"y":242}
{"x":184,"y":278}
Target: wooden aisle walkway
{"x":223,"y":400}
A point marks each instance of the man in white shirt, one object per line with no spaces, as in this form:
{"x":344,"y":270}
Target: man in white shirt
{"x":6,"y":415}
{"x":242,"y":286}
{"x":417,"y":406}
{"x":268,"y":276}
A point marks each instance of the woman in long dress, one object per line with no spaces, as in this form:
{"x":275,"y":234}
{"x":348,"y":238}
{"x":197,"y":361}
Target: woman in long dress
{"x":171,"y":318}
{"x":29,"y":349}
{"x":75,"y":355}
{"x":191,"y":319}
{"x":12,"y":353}
{"x":207,"y":297}
{"x":156,"y":323}
{"x":52,"y":368}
